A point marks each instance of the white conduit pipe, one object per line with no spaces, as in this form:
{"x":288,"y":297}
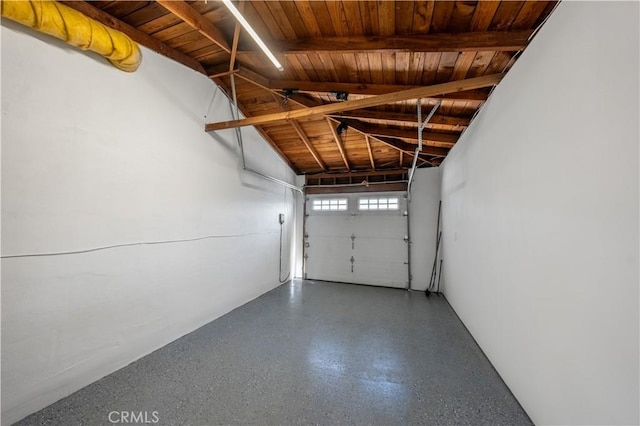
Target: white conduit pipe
{"x":236,"y":116}
{"x":421,"y":126}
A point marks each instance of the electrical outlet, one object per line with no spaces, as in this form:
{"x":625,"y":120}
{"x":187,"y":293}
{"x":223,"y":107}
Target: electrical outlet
{"x":281,"y":218}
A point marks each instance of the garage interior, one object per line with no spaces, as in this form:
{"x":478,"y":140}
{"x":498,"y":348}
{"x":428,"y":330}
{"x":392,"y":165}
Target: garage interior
{"x":415,"y":212}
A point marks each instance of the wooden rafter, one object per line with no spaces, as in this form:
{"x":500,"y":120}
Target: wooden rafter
{"x":443,"y":138}
{"x":328,"y":47}
{"x":319,"y":88}
{"x":376,"y":187}
{"x":506,"y":41}
{"x":259,"y":81}
{"x":310,"y":103}
{"x":404,"y":146}
{"x":338,"y":141}
{"x":407,"y":147}
{"x":370,"y":181}
{"x":384,"y":174}
{"x":260,"y":130}
{"x":308,"y":144}
{"x":403,"y":118}
{"x":373,"y":163}
{"x":236,"y":38}
{"x":421,"y":92}
{"x":191,"y":16}
{"x":135,"y":34}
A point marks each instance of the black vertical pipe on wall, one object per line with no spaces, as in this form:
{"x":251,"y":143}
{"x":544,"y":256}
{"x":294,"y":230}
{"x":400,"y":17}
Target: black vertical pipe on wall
{"x":427,"y":292}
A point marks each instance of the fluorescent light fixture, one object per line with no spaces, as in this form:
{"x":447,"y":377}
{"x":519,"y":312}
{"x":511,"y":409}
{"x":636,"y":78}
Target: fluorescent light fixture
{"x":252,"y":33}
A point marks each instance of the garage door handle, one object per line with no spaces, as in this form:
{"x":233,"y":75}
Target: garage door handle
{"x":352,"y":260}
{"x":353,"y":241}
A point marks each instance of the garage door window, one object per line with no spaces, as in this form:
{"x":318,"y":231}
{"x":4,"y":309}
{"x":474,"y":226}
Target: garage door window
{"x":378,"y":203}
{"x":332,"y":204}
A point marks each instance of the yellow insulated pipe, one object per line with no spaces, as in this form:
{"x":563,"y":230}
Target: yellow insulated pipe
{"x":65,"y":23}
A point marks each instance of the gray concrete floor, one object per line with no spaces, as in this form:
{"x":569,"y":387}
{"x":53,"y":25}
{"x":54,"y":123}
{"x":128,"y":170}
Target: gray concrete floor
{"x":309,"y":352}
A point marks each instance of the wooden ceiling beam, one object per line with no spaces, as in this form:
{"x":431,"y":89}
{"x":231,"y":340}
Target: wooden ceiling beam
{"x":336,"y":137}
{"x":317,"y":87}
{"x":464,"y":95}
{"x":135,"y":34}
{"x":408,"y":148}
{"x":420,"y":92}
{"x":395,"y":174}
{"x":323,"y":88}
{"x":192,"y":17}
{"x":223,"y":74}
{"x":402,"y":118}
{"x":307,"y":143}
{"x":412,"y":135}
{"x":373,"y":187}
{"x":495,"y":41}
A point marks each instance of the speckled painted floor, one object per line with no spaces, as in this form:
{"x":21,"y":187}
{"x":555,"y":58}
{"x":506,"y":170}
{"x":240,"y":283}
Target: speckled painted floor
{"x":309,"y":353}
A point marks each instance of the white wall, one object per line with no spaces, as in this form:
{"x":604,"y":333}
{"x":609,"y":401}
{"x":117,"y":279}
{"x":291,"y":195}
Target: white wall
{"x":423,"y":216}
{"x":95,"y":157}
{"x":299,"y":227}
{"x":540,"y":209}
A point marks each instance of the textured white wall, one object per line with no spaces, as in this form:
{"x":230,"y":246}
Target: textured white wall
{"x":299,"y":227}
{"x":423,"y":214}
{"x":540,"y":209}
{"x":94,"y":157}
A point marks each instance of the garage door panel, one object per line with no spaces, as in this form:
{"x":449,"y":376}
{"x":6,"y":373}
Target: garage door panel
{"x":330,"y":269}
{"x":331,"y":257}
{"x":327,"y":226}
{"x":372,"y":242}
{"x":387,"y":274}
{"x":379,"y":248}
{"x":367,"y":225}
{"x":324,"y":244}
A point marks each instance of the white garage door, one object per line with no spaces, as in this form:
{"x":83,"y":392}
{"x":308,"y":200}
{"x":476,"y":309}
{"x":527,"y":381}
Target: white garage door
{"x":357,"y":238}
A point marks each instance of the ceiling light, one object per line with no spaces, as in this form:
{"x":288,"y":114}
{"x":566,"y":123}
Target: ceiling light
{"x":252,"y":33}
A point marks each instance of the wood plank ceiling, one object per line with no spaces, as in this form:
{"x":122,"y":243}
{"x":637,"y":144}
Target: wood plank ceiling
{"x":357,"y":49}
